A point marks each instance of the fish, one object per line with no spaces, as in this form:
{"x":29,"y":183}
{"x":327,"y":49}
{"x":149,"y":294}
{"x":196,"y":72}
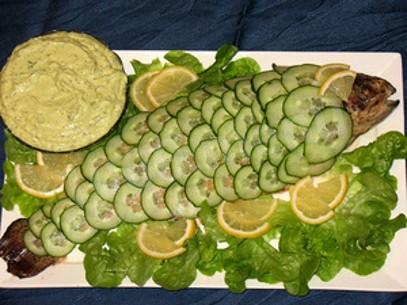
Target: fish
{"x":369,"y":103}
{"x":20,"y":261}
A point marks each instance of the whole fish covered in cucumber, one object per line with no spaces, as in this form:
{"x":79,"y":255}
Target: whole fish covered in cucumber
{"x":232,"y":140}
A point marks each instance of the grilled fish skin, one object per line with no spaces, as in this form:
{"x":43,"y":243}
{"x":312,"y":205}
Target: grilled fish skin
{"x":20,"y":261}
{"x":369,"y":103}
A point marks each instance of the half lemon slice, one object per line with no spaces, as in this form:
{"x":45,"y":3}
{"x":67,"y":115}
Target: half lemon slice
{"x":325,"y":71}
{"x":339,"y":83}
{"x":168,"y":83}
{"x":41,"y":181}
{"x":314,"y":201}
{"x":137,"y":92}
{"x":246,"y":218}
{"x":165,"y":239}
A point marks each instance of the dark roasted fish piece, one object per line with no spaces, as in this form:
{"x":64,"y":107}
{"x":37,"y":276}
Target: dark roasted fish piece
{"x":368,"y":103}
{"x":20,"y":261}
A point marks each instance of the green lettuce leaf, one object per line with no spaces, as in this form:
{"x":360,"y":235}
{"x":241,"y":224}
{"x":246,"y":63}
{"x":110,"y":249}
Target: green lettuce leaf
{"x":241,"y":67}
{"x":380,"y":154}
{"x":12,"y":195}
{"x":187,"y":60}
{"x":210,"y":260}
{"x":364,"y":229}
{"x":179,"y":272}
{"x":110,"y":257}
{"x":18,"y":152}
{"x":141,"y":68}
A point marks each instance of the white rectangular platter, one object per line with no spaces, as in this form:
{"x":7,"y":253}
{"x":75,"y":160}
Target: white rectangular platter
{"x":392,"y":277}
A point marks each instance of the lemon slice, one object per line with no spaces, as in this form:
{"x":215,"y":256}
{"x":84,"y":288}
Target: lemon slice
{"x":325,"y":71}
{"x":60,"y":160}
{"x":40,"y":181}
{"x":168,"y":83}
{"x":339,"y":83}
{"x":314,"y":201}
{"x":137,"y":92}
{"x":164,"y":239}
{"x":246,"y":218}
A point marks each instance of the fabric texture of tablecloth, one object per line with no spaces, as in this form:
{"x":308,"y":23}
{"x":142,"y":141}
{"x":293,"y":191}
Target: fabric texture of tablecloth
{"x":280,"y":25}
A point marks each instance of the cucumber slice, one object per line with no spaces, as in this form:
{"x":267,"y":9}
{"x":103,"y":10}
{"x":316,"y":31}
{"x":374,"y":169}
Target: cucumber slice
{"x":153,"y":202}
{"x":208,"y":157}
{"x":108,"y":179}
{"x":231,"y":103}
{"x":198,"y":134}
{"x":266,"y":132}
{"x":178,"y":203}
{"x":268,"y":179}
{"x":127,"y":204}
{"x":134,"y":169}
{"x":274,"y":111}
{"x":72,"y":181}
{"x":244,"y":92}
{"x":258,"y":156}
{"x":46,"y":209}
{"x":182,"y":164}
{"x":219,"y":117}
{"x":59,"y":208}
{"x":37,"y":222}
{"x":93,"y":160}
{"x":188,"y":118}
{"x":297,"y":165}
{"x":157,"y":119}
{"x":276,"y":151}
{"x":176,"y":105}
{"x":246,"y":183}
{"x":328,"y":134}
{"x":236,"y":157}
{"x":200,"y":188}
{"x":197,"y":97}
{"x":135,"y":128}
{"x":100,"y":213}
{"x":297,"y":76}
{"x":252,"y":139}
{"x":159,"y":169}
{"x":74,"y":225}
{"x":34,"y":244}
{"x":280,"y":69}
{"x":304,"y":103}
{"x":282,"y":174}
{"x":83,"y":192}
{"x":257,"y":112}
{"x":263,"y":77}
{"x":216,"y":90}
{"x":149,"y":143}
{"x":290,"y":134}
{"x":231,"y":83}
{"x":243,"y":120}
{"x":54,"y":241}
{"x":227,"y":135}
{"x":171,"y":136}
{"x":209,"y":106}
{"x":224,"y":184}
{"x":269,"y":91}
{"x":116,"y":149}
